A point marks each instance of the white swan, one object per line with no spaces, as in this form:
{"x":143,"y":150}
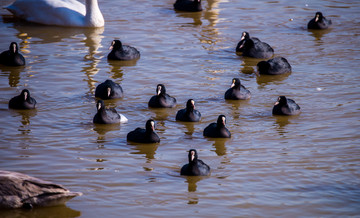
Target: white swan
{"x":59,"y":12}
{"x":18,"y":190}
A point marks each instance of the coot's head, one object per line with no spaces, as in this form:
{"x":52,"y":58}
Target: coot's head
{"x":263,"y":66}
{"x":190,"y":104}
{"x":221,"y":121}
{"x":25,"y":94}
{"x":192,"y":155}
{"x":100,"y":105}
{"x":245,"y":35}
{"x":245,"y":40}
{"x":160,"y":89}
{"x":115,"y":44}
{"x":14,"y":48}
{"x":281,"y":101}
{"x":150,"y":125}
{"x":318,"y":16}
{"x":235,"y":83}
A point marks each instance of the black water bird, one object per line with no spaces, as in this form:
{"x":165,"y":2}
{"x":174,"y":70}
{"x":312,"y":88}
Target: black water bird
{"x":122,"y":52}
{"x":18,"y":190}
{"x":274,"y":66}
{"x":12,"y":57}
{"x":107,"y":116}
{"x":253,"y":47}
{"x":195,"y":167}
{"x":285,"y":106}
{"x":161,"y":99}
{"x":188,"y":114}
{"x":218,"y":129}
{"x":109,"y":90}
{"x":188,"y":5}
{"x":319,"y":22}
{"x":22,"y":101}
{"x":147,"y":135}
{"x":237,"y":91}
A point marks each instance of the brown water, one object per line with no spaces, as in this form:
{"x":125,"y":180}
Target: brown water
{"x":307,"y":165}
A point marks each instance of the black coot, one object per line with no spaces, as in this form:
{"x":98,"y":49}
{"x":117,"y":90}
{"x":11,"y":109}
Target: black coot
{"x":161,"y":99}
{"x":189,"y":114}
{"x":12,"y":57}
{"x":218,"y":129}
{"x":122,"y":52}
{"x":285,"y":106}
{"x":253,"y":47}
{"x":147,"y":135}
{"x":275,"y":66}
{"x":237,"y":91}
{"x":195,"y":167}
{"x":107,"y":116}
{"x":319,"y":22}
{"x":22,"y":101}
{"x":109,"y":90}
{"x":188,"y":5}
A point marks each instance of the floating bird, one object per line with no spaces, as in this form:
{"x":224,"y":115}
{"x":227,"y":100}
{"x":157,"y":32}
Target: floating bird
{"x":161,"y":99}
{"x":108,"y":90}
{"x":18,"y":190}
{"x":122,"y":52}
{"x":107,"y":116}
{"x":147,"y":135}
{"x":22,"y":101}
{"x":195,"y":167}
{"x":237,"y":91}
{"x":189,"y":114}
{"x":285,"y":106}
{"x":275,"y":66}
{"x":319,"y":22}
{"x":253,"y":47}
{"x":218,"y":129}
{"x":188,"y":5}
{"x":60,"y":12}
{"x":12,"y":57}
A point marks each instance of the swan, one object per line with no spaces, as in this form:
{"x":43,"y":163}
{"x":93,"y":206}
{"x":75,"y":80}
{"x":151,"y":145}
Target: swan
{"x":18,"y":190}
{"x":59,"y":12}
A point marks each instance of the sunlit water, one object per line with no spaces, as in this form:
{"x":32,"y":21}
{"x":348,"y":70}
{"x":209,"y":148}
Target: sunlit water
{"x":307,"y":165}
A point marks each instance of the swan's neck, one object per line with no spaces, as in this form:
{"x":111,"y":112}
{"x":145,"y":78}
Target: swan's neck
{"x":93,"y":17}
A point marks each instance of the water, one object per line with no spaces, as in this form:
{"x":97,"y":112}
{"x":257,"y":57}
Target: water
{"x":307,"y":165}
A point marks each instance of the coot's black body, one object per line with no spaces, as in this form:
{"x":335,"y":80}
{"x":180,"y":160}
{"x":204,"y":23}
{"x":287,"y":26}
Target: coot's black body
{"x":147,"y":135}
{"x":189,"y":114}
{"x":161,"y":99}
{"x":285,"y":106}
{"x":253,"y":47}
{"x":22,"y":101}
{"x":195,"y":167}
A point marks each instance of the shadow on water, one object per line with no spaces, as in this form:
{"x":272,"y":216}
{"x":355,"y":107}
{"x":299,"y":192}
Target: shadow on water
{"x":280,"y":123}
{"x":219,"y":145}
{"x":24,"y":128}
{"x":13,"y":74}
{"x":264,"y":80}
{"x":54,"y":212}
{"x":192,"y":188}
{"x":149,"y":150}
{"x":318,"y":34}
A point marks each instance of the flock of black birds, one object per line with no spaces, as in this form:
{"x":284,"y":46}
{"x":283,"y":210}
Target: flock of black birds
{"x":248,"y":46}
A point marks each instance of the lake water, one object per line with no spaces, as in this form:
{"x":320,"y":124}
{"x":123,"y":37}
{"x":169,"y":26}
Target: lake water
{"x":306,"y":165}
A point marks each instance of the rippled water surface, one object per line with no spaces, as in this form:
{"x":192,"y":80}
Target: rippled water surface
{"x":306,"y":165}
